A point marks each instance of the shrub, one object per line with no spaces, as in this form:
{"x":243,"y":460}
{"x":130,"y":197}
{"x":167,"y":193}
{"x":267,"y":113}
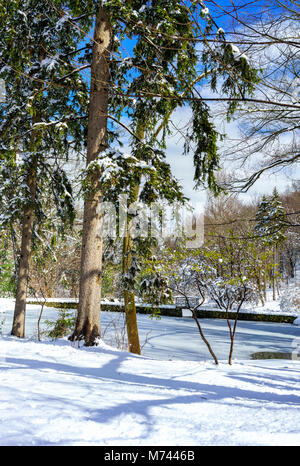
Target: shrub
{"x":61,"y":327}
{"x":7,"y":279}
{"x":290,"y":300}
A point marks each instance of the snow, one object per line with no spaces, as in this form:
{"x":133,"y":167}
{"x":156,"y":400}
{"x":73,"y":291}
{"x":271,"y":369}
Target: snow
{"x":297,"y":321}
{"x":235,"y":50}
{"x":49,"y":63}
{"x":55,"y":394}
{"x":48,"y":300}
{"x":271,"y":307}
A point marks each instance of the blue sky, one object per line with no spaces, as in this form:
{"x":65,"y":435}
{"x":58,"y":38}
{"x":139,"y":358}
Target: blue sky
{"x":182,"y":166}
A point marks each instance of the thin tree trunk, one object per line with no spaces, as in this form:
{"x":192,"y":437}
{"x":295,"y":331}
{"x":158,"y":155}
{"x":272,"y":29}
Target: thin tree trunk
{"x":232,"y":332}
{"x":129,"y":301}
{"x":88,"y":317}
{"x":260,"y":290}
{"x":194,"y":313}
{"x":265,"y":284}
{"x":129,"y":296}
{"x":39,"y":320}
{"x":273,"y":276}
{"x":18,"y":327}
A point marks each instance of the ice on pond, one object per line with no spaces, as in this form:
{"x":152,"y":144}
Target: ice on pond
{"x":178,"y":338}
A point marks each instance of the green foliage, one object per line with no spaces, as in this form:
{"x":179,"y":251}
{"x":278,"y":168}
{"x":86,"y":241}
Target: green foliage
{"x":109,"y":285}
{"x":203,"y":135}
{"x":7,"y":278}
{"x":63,"y":326}
{"x":44,"y":110}
{"x":271,"y":220}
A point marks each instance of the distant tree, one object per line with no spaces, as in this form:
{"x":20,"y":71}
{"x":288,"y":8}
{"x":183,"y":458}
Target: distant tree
{"x":271,"y":226}
{"x":291,"y":247}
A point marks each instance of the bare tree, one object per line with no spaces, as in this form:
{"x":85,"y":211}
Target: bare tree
{"x":194,"y":275}
{"x":180,"y":275}
{"x":268,"y":35}
{"x":228,"y":294}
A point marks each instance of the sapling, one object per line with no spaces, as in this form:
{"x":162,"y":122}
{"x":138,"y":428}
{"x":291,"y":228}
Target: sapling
{"x":63,"y":326}
{"x":227,"y":294}
{"x":178,"y":272}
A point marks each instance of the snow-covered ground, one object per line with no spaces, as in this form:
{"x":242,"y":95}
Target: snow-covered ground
{"x":54,"y":394}
{"x":173,"y":395}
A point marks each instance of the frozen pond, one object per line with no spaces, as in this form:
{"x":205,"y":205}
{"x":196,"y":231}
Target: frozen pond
{"x":178,"y":338}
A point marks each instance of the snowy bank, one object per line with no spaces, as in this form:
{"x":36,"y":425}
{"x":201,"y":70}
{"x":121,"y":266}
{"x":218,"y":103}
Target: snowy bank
{"x":297,"y":321}
{"x":54,"y":394}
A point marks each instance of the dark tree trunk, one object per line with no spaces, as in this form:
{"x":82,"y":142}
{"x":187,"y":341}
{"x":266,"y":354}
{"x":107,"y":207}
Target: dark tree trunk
{"x":18,"y":327}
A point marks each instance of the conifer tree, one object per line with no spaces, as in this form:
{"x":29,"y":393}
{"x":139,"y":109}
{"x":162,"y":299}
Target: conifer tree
{"x":46,"y":101}
{"x":117,"y":82}
{"x":41,"y":115}
{"x":271,"y":219}
{"x":166,"y":67}
{"x":271,"y":225}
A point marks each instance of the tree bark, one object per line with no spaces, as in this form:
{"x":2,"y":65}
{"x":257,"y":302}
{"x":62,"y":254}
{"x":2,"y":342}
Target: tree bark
{"x":265,"y":282}
{"x":194,"y":313}
{"x":18,"y":327}
{"x":129,"y":296}
{"x":129,"y":301}
{"x":273,"y":273}
{"x":88,"y":317}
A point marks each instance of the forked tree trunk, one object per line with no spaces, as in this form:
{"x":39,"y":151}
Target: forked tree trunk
{"x":18,"y":327}
{"x":88,"y":317}
{"x":232,"y":331}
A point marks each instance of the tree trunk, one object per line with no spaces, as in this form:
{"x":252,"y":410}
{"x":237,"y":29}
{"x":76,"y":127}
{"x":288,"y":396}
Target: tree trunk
{"x":292,"y":268}
{"x":129,"y":301}
{"x":233,"y":331}
{"x":265,"y":284}
{"x":129,"y":296}
{"x":18,"y":327}
{"x":194,"y":313}
{"x":273,"y":275}
{"x":88,"y":317}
